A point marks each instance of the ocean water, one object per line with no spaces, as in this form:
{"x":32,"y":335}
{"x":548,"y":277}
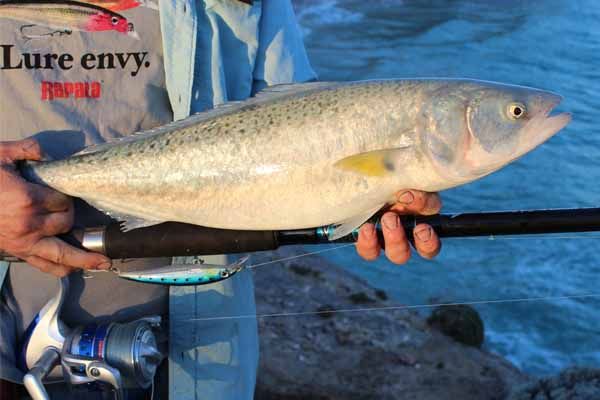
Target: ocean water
{"x":550,"y":44}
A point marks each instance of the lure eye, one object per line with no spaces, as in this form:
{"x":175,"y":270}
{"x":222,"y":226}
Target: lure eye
{"x":224,"y":274}
{"x":114,"y":20}
{"x":516,"y":111}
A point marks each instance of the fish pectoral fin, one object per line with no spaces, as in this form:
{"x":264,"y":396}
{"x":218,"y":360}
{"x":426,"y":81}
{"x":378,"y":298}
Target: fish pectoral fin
{"x":373,"y":163}
{"x":127,"y":222}
{"x":344,"y":228}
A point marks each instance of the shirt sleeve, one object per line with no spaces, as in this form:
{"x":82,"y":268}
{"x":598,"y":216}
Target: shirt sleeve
{"x":281,"y":56}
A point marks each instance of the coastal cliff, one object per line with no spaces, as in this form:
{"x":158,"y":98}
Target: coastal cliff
{"x":387,"y":354}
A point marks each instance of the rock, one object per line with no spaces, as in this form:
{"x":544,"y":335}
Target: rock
{"x":381,"y":294}
{"x":572,"y":384}
{"x":325,"y":311}
{"x":304,"y":271}
{"x":360,"y":298}
{"x":373,"y":354}
{"x":461,"y":322}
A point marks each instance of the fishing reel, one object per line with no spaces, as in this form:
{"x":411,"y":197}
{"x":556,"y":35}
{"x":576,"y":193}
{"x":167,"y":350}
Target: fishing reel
{"x":117,"y":357}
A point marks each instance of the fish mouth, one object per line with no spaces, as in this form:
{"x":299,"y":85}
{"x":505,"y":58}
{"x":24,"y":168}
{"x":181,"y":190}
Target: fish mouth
{"x":545,"y":124}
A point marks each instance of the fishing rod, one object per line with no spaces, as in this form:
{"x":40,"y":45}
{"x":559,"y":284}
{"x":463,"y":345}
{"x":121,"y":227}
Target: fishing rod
{"x":176,"y":239}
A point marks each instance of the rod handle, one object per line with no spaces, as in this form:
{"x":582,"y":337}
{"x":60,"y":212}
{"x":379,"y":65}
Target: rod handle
{"x":175,"y":239}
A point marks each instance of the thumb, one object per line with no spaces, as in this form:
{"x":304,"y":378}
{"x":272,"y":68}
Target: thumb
{"x":28,"y":149}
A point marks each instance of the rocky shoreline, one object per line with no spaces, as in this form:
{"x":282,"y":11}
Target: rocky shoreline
{"x":387,"y":354}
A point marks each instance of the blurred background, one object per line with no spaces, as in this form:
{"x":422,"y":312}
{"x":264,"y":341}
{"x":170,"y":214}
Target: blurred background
{"x":548,"y":44}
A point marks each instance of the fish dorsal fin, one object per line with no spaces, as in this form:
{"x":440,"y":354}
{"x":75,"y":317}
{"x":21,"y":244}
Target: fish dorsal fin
{"x":267,"y":95}
{"x":288,"y":89}
{"x":346,"y":227}
{"x":377,"y":163}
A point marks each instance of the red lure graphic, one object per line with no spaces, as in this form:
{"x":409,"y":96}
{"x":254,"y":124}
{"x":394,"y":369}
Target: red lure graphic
{"x":66,"y":16}
{"x":107,"y":22}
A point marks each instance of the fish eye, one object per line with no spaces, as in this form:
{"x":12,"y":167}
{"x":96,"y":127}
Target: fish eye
{"x":516,"y":110}
{"x":114,"y":20}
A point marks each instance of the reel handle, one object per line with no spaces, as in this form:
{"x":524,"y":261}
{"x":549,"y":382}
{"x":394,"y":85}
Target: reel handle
{"x":33,"y":379}
{"x":95,"y":370}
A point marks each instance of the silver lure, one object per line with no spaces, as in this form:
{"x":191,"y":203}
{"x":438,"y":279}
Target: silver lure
{"x":185,"y":274}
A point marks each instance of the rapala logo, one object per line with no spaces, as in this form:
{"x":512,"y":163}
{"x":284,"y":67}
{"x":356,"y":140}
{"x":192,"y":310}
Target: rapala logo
{"x":65,"y":90}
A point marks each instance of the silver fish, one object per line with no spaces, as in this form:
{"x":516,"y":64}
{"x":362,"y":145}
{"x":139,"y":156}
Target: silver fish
{"x":307,"y":155}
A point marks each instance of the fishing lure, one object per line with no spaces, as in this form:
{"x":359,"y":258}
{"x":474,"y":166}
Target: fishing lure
{"x":65,"y":16}
{"x":185,"y":274}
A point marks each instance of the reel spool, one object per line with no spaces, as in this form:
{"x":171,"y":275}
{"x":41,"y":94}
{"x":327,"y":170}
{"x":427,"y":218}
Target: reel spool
{"x":122,"y":356}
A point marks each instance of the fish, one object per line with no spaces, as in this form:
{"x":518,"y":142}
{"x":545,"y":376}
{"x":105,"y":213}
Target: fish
{"x":311,"y":154}
{"x":186,"y":274}
{"x":66,"y":15}
{"x":121,"y":5}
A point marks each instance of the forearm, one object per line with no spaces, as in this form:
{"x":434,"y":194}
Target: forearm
{"x":8,"y":390}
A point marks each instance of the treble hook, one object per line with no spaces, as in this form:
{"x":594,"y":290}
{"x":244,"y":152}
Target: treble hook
{"x":29,"y":36}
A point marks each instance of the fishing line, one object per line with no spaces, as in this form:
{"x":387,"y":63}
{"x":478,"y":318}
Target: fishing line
{"x":514,"y":237}
{"x":391,"y":308}
{"x":298,"y":256}
{"x":488,"y":238}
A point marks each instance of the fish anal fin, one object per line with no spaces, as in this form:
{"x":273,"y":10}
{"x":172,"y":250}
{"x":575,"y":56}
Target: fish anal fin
{"x":127,"y":222}
{"x":130,"y":223}
{"x":346,"y":227}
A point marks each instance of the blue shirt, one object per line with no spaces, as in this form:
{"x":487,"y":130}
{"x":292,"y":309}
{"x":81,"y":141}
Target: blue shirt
{"x":217,"y":51}
{"x":221,"y":50}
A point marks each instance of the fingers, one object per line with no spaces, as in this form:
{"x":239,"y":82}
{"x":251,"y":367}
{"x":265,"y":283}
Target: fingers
{"x":31,"y":223}
{"x":427,"y":242}
{"x":41,"y":198}
{"x":17,"y":192}
{"x":397,"y":248}
{"x":57,"y":223}
{"x":51,"y":200}
{"x":417,"y":202}
{"x":58,"y":252}
{"x":367,"y":244}
{"x":28,"y":149}
{"x":49,"y":267}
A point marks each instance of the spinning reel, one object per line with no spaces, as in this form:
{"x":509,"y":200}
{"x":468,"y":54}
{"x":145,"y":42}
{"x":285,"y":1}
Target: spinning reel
{"x":115,"y":356}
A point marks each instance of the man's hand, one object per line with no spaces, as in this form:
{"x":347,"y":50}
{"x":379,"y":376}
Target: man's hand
{"x":397,"y":248}
{"x":32,"y":215}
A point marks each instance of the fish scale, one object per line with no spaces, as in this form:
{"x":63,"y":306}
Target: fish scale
{"x":308,"y":155}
